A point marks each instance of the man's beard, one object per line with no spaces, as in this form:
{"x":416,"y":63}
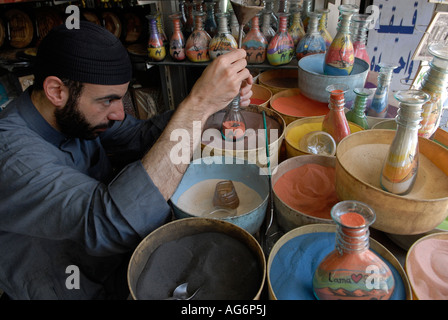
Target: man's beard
{"x":72,"y":123}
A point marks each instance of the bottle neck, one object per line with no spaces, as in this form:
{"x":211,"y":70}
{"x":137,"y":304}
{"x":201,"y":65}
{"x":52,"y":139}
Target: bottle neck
{"x":436,"y":79}
{"x":337,"y":101}
{"x":352,"y":240}
{"x":360,"y":105}
{"x":283,"y":22}
{"x":222,"y":23}
{"x":409,"y":116}
{"x":313,"y":24}
{"x":255,"y":23}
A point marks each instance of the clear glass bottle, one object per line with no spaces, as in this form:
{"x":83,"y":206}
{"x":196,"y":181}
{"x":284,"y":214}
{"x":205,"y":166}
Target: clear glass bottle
{"x":255,"y":43}
{"x":401,"y":165}
{"x":281,"y":47}
{"x":340,"y":57}
{"x":198,"y":42}
{"x":307,"y":7}
{"x":359,"y":28}
{"x":210,"y":24}
{"x":269,"y":7}
{"x":266,"y":27}
{"x":189,"y":25}
{"x":323,"y":27}
{"x":296,"y":29}
{"x":233,"y":124}
{"x":223,"y":41}
{"x":335,"y":121}
{"x":177,"y":39}
{"x":156,"y":48}
{"x":358,"y":113}
{"x":352,"y":271}
{"x":312,"y":42}
{"x":380,"y":102}
{"x":434,"y":84}
{"x":183,"y":12}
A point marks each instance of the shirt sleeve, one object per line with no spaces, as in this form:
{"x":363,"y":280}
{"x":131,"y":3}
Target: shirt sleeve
{"x":43,"y":197}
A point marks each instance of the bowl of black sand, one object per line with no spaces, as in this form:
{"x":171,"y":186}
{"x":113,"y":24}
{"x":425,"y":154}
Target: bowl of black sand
{"x":218,"y":259}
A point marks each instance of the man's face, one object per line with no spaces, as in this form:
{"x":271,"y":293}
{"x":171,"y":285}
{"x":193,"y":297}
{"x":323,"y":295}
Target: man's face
{"x":93,"y":112}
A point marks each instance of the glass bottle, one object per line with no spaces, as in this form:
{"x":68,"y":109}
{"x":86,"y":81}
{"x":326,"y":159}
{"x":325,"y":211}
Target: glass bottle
{"x":380,"y":102}
{"x":223,"y":41}
{"x":210,"y":23}
{"x":161,"y":30}
{"x":198,"y":42}
{"x":401,"y":165}
{"x":233,"y":124}
{"x":255,"y":43}
{"x":183,"y":17}
{"x":434,"y":84}
{"x":323,"y":27}
{"x":296,"y":29}
{"x":335,"y":121}
{"x":312,"y":42}
{"x":359,"y":28}
{"x":352,"y":271}
{"x":156,"y":48}
{"x":266,"y":27}
{"x":235,"y":27}
{"x":189,"y":25}
{"x":281,"y":48}
{"x":177,"y":39}
{"x":269,"y":7}
{"x":340,"y":57}
{"x":358,"y":113}
{"x":307,"y":7}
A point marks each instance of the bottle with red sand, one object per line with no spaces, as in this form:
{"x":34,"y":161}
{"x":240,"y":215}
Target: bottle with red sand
{"x":335,"y":122}
{"x":233,"y":124}
{"x":352,"y":271}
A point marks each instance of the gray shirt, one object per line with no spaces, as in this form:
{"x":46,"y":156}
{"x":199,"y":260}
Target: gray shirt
{"x":62,"y":205}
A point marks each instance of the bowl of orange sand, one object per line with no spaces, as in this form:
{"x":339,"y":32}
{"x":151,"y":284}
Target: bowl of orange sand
{"x":293,"y":105}
{"x":304,"y":191}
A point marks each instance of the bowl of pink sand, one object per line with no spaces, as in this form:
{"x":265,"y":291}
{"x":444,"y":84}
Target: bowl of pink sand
{"x":304,"y":191}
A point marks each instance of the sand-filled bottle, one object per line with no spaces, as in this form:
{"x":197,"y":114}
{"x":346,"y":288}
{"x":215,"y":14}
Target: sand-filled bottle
{"x":223,"y":41}
{"x":358,"y":113}
{"x":352,"y":271}
{"x":340,"y":57}
{"x":156,"y":48}
{"x":335,"y":122}
{"x":359,"y":28}
{"x":401,"y":164}
{"x":312,"y":42}
{"x":323,"y":27}
{"x":233,"y":124}
{"x":255,"y":43}
{"x":177,"y":39}
{"x":281,"y":47}
{"x":198,"y":42}
{"x":380,"y":102}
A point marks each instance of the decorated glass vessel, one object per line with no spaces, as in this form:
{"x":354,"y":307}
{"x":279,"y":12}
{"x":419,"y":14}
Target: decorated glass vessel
{"x":281,"y":47}
{"x":307,"y":7}
{"x":434,"y":84}
{"x":296,"y":29}
{"x":223,"y":41}
{"x":340,"y":56}
{"x":402,"y":161}
{"x":380,"y":102}
{"x":358,"y":113}
{"x":323,"y":27}
{"x":269,"y":8}
{"x":266,"y":27}
{"x":359,"y":28}
{"x":156,"y":48}
{"x":210,"y":24}
{"x":198,"y":42}
{"x":312,"y":42}
{"x":255,"y":43}
{"x":335,"y":122}
{"x":233,"y":124}
{"x":177,"y":40}
{"x":352,"y":271}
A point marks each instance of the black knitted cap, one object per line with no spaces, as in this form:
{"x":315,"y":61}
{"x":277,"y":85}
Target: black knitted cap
{"x":90,"y":54}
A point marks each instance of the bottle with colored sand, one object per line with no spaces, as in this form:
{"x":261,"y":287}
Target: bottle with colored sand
{"x":340,"y":56}
{"x":359,"y":28}
{"x":255,"y":43}
{"x":335,"y":122}
{"x":266,"y":27}
{"x":401,"y":165}
{"x":434,"y":84}
{"x":312,"y":42}
{"x":323,"y":27}
{"x":358,"y":113}
{"x":156,"y":48}
{"x":177,"y":39}
{"x":281,"y":47}
{"x":352,"y":271}
{"x":380,"y":102}
{"x":233,"y":124}
{"x":198,"y":42}
{"x":296,"y":29}
{"x":223,"y":41}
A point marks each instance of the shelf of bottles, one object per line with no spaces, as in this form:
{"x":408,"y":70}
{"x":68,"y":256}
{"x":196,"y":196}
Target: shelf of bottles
{"x":297,"y":13}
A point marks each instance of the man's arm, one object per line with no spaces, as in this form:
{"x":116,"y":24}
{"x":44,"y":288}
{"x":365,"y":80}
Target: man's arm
{"x":220,"y":82}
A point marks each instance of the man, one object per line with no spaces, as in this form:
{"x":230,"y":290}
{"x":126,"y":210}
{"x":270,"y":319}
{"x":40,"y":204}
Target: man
{"x":64,"y":211}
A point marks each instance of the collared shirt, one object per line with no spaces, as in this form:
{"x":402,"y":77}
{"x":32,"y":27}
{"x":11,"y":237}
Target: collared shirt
{"x":63,"y":209}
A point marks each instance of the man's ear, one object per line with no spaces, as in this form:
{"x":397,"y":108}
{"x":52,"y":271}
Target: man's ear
{"x":56,"y":92}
